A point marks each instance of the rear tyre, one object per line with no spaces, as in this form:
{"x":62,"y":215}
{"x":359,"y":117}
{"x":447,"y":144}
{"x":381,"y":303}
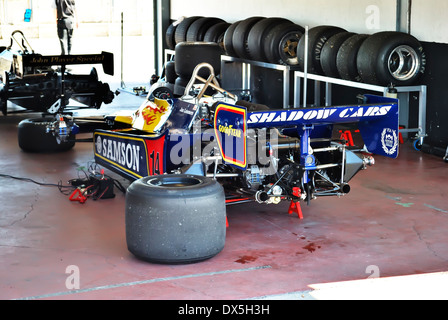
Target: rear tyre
{"x":252,"y":107}
{"x":175,"y":219}
{"x":32,"y":137}
{"x":4,"y":86}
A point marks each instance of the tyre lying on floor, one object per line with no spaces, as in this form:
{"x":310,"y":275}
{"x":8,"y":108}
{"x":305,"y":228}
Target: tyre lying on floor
{"x":175,"y":218}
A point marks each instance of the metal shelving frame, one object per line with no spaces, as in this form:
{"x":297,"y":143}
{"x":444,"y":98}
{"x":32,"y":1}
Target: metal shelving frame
{"x":246,"y":72}
{"x":422,"y":90}
{"x":318,"y":79}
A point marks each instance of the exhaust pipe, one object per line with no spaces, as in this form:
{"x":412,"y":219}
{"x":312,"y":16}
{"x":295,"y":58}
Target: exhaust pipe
{"x":262,"y":197}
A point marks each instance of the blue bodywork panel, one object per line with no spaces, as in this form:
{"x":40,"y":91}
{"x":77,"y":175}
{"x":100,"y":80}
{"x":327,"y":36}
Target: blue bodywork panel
{"x":158,"y":153}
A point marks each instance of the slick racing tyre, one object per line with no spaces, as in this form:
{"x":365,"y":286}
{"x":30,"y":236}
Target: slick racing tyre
{"x":281,"y":44}
{"x":252,"y":107}
{"x":240,"y":35}
{"x":387,"y":58}
{"x":317,"y":37}
{"x":216,"y":34}
{"x":170,"y":72}
{"x":198,"y":29}
{"x":228,"y":39}
{"x":169,"y":36}
{"x":190,"y":54}
{"x":175,"y":219}
{"x":180,"y":34}
{"x":179,"y":86}
{"x":33,"y":137}
{"x":330,"y":52}
{"x":346,"y":59}
{"x":257,"y":36}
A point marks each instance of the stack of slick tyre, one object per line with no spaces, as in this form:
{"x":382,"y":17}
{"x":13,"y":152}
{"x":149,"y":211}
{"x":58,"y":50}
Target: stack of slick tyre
{"x":391,"y":58}
{"x":196,"y":29}
{"x":384,"y":58}
{"x":175,"y":219}
{"x":272,"y":40}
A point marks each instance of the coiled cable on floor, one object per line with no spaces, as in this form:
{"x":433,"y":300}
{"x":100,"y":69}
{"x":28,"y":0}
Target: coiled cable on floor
{"x":59,"y":185}
{"x":84,"y":180}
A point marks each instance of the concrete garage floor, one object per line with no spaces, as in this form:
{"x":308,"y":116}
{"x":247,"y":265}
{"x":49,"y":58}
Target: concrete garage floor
{"x":392,"y":225}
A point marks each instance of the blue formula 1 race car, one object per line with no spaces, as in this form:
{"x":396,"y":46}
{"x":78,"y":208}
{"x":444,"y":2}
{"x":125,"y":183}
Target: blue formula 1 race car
{"x":189,"y":157}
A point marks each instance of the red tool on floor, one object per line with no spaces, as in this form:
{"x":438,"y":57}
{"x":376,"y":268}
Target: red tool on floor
{"x":295,"y":205}
{"x":78,"y":195}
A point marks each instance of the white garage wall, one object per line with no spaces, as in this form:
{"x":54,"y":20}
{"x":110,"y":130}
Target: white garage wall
{"x":361,"y":16}
{"x":430,"y":20}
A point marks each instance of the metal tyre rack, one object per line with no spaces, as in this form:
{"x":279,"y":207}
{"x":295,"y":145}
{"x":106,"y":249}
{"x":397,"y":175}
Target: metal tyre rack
{"x":318,"y":79}
{"x":246,"y":74}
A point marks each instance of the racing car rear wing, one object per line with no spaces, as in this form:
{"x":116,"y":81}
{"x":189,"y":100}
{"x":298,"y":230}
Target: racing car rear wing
{"x":37,"y":60}
{"x":378,"y":122}
{"x":16,"y":62}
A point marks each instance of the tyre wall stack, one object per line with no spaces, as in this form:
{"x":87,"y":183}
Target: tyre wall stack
{"x":384,"y":58}
{"x":195,"y":40}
